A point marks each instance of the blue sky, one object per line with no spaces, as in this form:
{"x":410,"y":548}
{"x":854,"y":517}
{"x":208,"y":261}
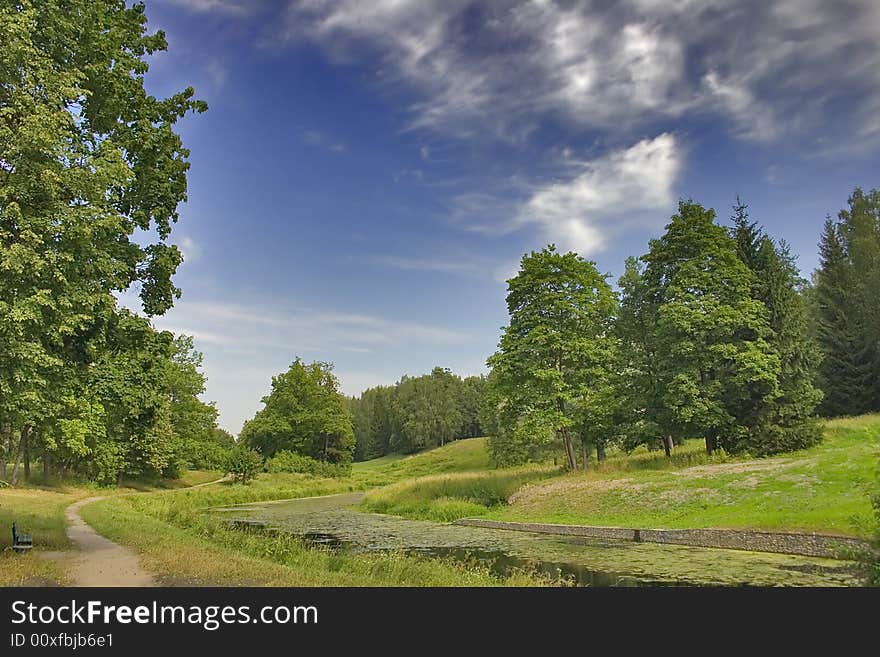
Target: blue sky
{"x":369,"y":173}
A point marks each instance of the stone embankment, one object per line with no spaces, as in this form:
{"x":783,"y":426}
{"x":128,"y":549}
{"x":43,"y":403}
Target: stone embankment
{"x":811,"y":545}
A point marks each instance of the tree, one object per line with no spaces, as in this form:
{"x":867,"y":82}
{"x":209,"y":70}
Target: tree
{"x":644,"y":416}
{"x":304,"y":414}
{"x":243,"y":464}
{"x":846,"y":298}
{"x":716,"y":371}
{"x":87,"y":159}
{"x":200,"y":443}
{"x":557,"y":346}
{"x":789,"y":417}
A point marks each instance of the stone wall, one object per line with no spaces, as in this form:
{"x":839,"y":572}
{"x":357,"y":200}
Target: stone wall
{"x":811,"y":545}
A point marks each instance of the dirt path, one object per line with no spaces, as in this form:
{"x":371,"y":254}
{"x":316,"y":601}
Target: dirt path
{"x":98,"y":560}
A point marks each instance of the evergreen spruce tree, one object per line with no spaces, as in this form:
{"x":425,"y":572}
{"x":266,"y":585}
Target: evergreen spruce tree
{"x":846,"y":300}
{"x":788,"y":421}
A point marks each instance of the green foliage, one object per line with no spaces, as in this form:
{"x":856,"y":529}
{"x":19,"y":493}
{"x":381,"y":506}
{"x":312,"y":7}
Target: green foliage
{"x":290,"y":462}
{"x":715,"y":372}
{"x":554,"y":357}
{"x":243,"y":463}
{"x":417,"y":413}
{"x":846,"y":305}
{"x":304,"y":414}
{"x":787,"y":421}
{"x":91,"y":172}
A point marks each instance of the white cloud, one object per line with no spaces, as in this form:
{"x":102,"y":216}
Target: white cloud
{"x":775,"y":69}
{"x":575,"y":213}
{"x":236,"y":7}
{"x":447,"y":265}
{"x":300,"y":329}
{"x":248,"y":343}
{"x":189,"y":249}
{"x":425,"y":152}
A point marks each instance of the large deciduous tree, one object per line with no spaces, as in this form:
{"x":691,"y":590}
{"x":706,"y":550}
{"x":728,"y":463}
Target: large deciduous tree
{"x":554,"y":354}
{"x":306,"y":414}
{"x":715,"y":368}
{"x":87,"y":159}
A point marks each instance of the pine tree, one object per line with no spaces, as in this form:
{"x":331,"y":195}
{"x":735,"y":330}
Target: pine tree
{"x":788,"y":421}
{"x":846,"y":299}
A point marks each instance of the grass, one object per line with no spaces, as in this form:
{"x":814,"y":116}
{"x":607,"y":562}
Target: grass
{"x":38,"y":509}
{"x":447,"y":497}
{"x":177,"y":539}
{"x":468,"y":455}
{"x":823,"y":489}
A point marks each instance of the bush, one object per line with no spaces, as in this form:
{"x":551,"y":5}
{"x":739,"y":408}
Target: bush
{"x":243,"y":464}
{"x":291,"y":462}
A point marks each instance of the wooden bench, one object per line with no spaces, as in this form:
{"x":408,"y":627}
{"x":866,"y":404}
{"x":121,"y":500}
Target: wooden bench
{"x":21,"y":542}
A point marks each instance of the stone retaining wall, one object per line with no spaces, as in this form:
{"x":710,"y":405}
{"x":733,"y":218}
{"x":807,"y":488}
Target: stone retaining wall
{"x":811,"y":545}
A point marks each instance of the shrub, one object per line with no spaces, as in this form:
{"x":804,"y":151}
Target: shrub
{"x":291,"y":462}
{"x":243,"y":464}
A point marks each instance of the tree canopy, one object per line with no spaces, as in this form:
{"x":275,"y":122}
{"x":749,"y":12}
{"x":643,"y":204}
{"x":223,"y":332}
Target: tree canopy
{"x":554,"y":355}
{"x":305,"y":414}
{"x":91,"y":176}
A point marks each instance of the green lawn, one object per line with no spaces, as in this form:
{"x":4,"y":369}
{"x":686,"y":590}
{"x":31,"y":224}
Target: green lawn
{"x":824,"y":489}
{"x":467,"y":455}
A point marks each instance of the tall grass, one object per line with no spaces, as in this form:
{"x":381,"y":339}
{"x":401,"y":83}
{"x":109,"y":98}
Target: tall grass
{"x":444,"y":498}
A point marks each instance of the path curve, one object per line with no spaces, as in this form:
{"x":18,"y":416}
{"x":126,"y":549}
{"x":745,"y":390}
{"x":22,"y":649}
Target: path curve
{"x":99,"y":561}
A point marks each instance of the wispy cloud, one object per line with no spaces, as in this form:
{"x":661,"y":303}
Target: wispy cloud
{"x":575,"y":212}
{"x":774,"y":68}
{"x":235,"y":7}
{"x":319,"y":139}
{"x":586,"y":202}
{"x":300,"y":329}
{"x":448,"y":265}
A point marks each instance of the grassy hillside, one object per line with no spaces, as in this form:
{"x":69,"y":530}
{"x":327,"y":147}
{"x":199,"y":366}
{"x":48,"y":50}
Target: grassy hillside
{"x":468,"y":455}
{"x":823,"y":489}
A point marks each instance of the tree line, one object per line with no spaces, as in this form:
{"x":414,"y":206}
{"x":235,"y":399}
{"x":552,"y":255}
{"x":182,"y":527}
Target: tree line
{"x":305,"y":421}
{"x":417,"y":413}
{"x":91,"y":174}
{"x":713,"y":334}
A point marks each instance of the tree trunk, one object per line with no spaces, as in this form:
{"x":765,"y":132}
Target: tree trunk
{"x":600,"y":451}
{"x":46,"y":467}
{"x":667,"y":445}
{"x":27,"y":457}
{"x":710,"y":443}
{"x":566,"y":439}
{"x":24,"y":433}
{"x":5,"y":433}
{"x":569,"y":449}
{"x":586,"y":456}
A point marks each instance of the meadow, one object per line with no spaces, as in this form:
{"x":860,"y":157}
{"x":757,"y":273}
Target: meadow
{"x":180,"y":537}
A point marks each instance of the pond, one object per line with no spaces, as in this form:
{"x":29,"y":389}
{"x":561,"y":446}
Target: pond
{"x":335,"y":522}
